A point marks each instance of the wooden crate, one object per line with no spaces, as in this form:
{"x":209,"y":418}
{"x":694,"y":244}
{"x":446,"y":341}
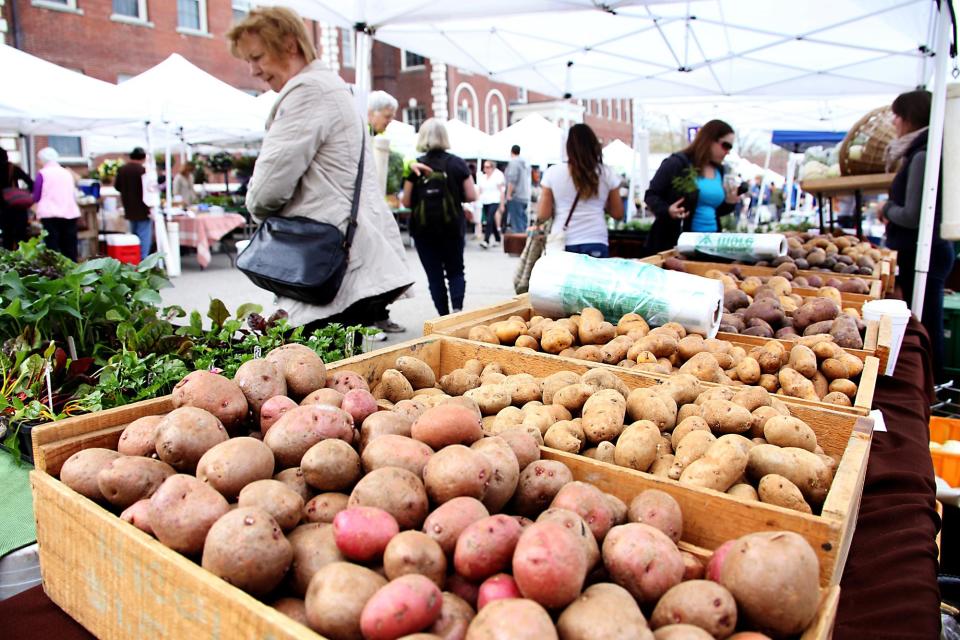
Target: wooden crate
{"x":875,"y":353}
{"x":697,"y":267}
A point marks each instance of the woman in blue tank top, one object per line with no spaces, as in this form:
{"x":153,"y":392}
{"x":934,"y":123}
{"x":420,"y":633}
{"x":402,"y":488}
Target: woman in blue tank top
{"x":712,"y":196}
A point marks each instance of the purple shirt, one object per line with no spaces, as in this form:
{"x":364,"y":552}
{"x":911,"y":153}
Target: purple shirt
{"x":37,"y":187}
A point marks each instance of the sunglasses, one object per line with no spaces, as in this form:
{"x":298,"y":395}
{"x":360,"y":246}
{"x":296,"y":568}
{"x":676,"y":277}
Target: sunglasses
{"x":727,"y":146}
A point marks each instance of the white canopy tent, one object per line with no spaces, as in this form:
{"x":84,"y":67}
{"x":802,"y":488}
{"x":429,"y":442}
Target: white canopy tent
{"x":470,"y":142}
{"x":541,"y":141}
{"x":403,"y":138}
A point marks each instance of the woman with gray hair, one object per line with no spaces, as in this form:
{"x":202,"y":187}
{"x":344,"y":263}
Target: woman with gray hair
{"x":437,"y":223}
{"x":381,"y":109}
{"x":54,"y":191}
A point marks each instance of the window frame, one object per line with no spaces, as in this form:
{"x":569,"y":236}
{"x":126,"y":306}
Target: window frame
{"x":414,"y":67}
{"x":67,"y":6}
{"x":347,"y":36}
{"x":66,"y":158}
{"x":245,"y":4}
{"x":406,"y":116}
{"x":204,"y":27}
{"x":142,"y":19}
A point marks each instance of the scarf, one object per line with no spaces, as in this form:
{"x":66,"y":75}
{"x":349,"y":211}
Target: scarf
{"x":895,"y":150}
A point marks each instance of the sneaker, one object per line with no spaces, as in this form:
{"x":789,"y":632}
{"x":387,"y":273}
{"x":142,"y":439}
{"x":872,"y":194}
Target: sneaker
{"x":484,"y":244}
{"x":495,"y":243}
{"x":378,"y":337}
{"x":389,"y":326}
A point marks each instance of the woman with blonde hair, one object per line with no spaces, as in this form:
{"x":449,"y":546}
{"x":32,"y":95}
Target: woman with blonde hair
{"x":437,"y":223}
{"x":308,"y":166}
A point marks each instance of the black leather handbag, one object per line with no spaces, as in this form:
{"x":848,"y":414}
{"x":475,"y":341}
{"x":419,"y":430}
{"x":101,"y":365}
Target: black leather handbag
{"x":301,"y":258}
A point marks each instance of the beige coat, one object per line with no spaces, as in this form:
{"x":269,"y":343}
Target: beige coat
{"x":307,"y":167}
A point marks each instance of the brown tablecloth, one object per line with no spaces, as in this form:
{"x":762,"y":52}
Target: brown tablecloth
{"x":889,"y":587}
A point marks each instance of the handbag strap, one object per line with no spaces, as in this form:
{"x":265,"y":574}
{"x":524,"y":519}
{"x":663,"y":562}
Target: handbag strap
{"x":572,"y":207}
{"x":355,"y":205}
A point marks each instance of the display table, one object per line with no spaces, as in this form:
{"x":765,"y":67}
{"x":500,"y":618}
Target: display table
{"x":843,"y":185}
{"x":205,"y":229}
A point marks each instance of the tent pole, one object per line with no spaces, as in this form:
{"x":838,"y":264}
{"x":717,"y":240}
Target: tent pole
{"x":931,"y":173}
{"x":168,"y":182}
{"x":364,"y":57}
{"x":631,"y":212}
{"x":763,"y":178}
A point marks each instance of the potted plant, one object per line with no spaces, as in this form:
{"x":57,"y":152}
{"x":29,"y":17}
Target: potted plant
{"x":685,"y":186}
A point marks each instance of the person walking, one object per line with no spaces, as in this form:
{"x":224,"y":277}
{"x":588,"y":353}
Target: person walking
{"x":308,"y":166}
{"x":437,"y":223}
{"x":55,"y":194}
{"x":688,"y":192}
{"x":491,"y":189}
{"x":901,"y":214}
{"x":129,"y":182}
{"x":14,"y":215}
{"x":577,"y":194}
{"x":518,"y":191}
{"x":183,"y":185}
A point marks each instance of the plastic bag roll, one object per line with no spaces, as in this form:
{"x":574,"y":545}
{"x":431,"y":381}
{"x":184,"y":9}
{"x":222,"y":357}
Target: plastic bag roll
{"x":748,"y":247}
{"x":563,"y":284}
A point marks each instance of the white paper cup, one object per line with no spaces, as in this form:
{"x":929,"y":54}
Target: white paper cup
{"x":899,"y":315}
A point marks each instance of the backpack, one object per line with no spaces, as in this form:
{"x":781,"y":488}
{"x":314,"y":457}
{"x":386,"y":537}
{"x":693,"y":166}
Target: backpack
{"x":436,"y":211}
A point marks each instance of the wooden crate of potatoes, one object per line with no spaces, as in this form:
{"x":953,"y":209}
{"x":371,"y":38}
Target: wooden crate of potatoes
{"x":875,"y":351}
{"x":120,"y":582}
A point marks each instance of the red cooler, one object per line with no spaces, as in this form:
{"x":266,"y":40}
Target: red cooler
{"x":124,"y":247}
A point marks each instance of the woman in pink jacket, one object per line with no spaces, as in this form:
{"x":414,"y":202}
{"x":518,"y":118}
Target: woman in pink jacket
{"x":57,"y":210}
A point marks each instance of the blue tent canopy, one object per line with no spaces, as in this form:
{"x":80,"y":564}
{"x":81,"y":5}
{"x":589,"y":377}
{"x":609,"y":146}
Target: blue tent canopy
{"x":799,"y":141}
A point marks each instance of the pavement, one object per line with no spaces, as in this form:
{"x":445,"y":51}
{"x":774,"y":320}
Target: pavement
{"x":489,"y":276}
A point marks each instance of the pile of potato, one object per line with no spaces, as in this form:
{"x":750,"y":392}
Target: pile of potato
{"x":416,"y":523}
{"x":786,"y":270}
{"x":815,"y":368}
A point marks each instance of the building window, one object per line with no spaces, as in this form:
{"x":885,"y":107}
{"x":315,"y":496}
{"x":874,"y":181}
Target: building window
{"x":410,"y":60}
{"x":68,"y":147}
{"x":493,"y":119}
{"x":415,"y":116}
{"x":616,"y":107}
{"x":521,"y":94}
{"x":347,"y":48}
{"x":464,"y":114}
{"x":240,"y":9}
{"x":60,"y":5}
{"x":192,"y":15}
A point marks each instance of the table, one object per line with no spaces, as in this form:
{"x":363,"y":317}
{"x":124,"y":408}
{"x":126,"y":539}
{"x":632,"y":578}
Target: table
{"x":204,"y":229}
{"x":857,"y":185}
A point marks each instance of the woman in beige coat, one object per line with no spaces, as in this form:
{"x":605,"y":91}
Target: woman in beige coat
{"x":308,"y":163}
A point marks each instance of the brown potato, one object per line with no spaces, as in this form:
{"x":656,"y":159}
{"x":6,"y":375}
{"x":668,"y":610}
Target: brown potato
{"x":604,"y":610}
{"x":246,"y":548}
{"x":139,"y":438}
{"x":396,"y":451}
{"x":775,"y":489}
{"x":514,"y":618}
{"x":182,"y":510}
{"x":702,"y":603}
{"x":415,"y":552}
{"x":456,"y":471}
{"x":186,"y":433}
{"x":416,"y":371}
{"x":324,"y":507}
{"x":723,"y":416}
{"x":293,"y":478}
{"x":523,"y":444}
{"x":80,"y":471}
{"x":231,"y":465}
{"x":331,"y":465}
{"x":455,"y":617}
{"x":129,"y":479}
{"x":214,"y":393}
{"x":787,"y":431}
{"x":283,"y":503}
{"x":314,"y":547}
{"x":260,"y":379}
{"x":383,"y":423}
{"x":301,"y":367}
{"x":337,"y":596}
{"x":637,"y":446}
{"x":397,"y":491}
{"x":505,"y":473}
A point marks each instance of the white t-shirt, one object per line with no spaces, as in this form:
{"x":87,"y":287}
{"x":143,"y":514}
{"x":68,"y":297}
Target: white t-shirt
{"x":587,"y":226}
{"x":489,"y":188}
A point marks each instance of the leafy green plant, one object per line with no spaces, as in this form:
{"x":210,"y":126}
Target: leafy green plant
{"x":395,"y":173}
{"x":685,"y":182}
{"x":107,"y":171}
{"x":222,"y":162}
{"x":199,"y":170}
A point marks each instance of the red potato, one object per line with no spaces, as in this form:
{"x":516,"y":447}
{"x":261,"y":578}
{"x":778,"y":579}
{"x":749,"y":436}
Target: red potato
{"x":182,"y":511}
{"x":260,"y":380}
{"x":464,"y":589}
{"x":383,"y":423}
{"x":642,"y":560}
{"x":549,"y":564}
{"x":575,"y":524}
{"x":272,"y":410}
{"x":293,"y":478}
{"x":359,"y":403}
{"x":301,"y":428}
{"x":313,"y":549}
{"x":233,"y":464}
{"x":486,"y":547}
{"x":589,"y":503}
{"x":497,"y":587}
{"x":138,"y":514}
{"x":693,"y":568}
{"x":523,"y":444}
{"x":362,"y":533}
{"x":344,"y":381}
{"x":335,"y":599}
{"x":186,"y":433}
{"x":448,"y":521}
{"x":247,"y":548}
{"x":139,"y":438}
{"x":293,"y":608}
{"x":214,"y":393}
{"x":301,"y":367}
{"x":539,"y":484}
{"x":127,"y":479}
{"x":658,"y":509}
{"x":389,"y":450}
{"x":715,"y":564}
{"x":406,"y":605}
{"x":455,"y":617}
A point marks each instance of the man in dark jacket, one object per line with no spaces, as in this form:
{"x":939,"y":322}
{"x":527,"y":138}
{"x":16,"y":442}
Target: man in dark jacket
{"x":129,"y":183}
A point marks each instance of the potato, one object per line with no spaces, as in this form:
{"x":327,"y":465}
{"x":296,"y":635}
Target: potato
{"x":787,"y":431}
{"x":556,"y":339}
{"x":590,"y":503}
{"x":246,"y":548}
{"x":383,"y":423}
{"x":456,"y":471}
{"x":539,"y":483}
{"x":330,"y":396}
{"x":344,"y":381}
{"x":549,"y":564}
{"x":81,"y":470}
{"x":282,"y":503}
{"x":846,"y":387}
{"x":523,"y":388}
{"x":803,"y":360}
{"x":397,"y":491}
{"x":775,"y":489}
{"x":752,"y":398}
{"x":578,"y":527}
{"x":483,"y":333}
{"x":722,"y":464}
{"x":653,"y":404}
{"x":273,"y":409}
{"x":393,"y":386}
{"x":448,"y":521}
{"x":744,"y":491}
{"x":837,"y":398}
{"x":703,"y":366}
{"x":138,"y":514}
{"x":637,"y":446}
{"x":659,"y":510}
{"x":846,"y":333}
{"x":182,"y":510}
{"x":490,"y":398}
{"x":681,"y":632}
{"x":572,"y":397}
{"x":359,"y":403}
{"x":616,"y":350}
{"x":302,"y":369}
{"x":323,"y":507}
{"x":603,"y":414}
{"x":447,"y":424}
{"x":293,"y":478}
{"x":486,"y":546}
{"x":301,"y":428}
{"x":505,"y":473}
{"x":685,"y":426}
{"x":723,"y":416}
{"x":213,"y":393}
{"x":566,"y":436}
{"x":524,"y":446}
{"x":774,"y":577}
{"x":643,"y":560}
{"x":416,"y":371}
{"x":801,"y":467}
{"x":396,"y":451}
{"x":514,"y":618}
{"x":362,"y":533}
{"x":455,"y":617}
{"x":313,"y":549}
{"x":702,"y":603}
{"x":556,"y":381}
{"x":231,"y":465}
{"x":293,"y":608}
{"x":337,"y":596}
{"x":405,"y":605}
{"x":796,"y":385}
{"x":603,"y":611}
{"x":128,"y":479}
{"x":185,"y":434}
{"x":259,"y":380}
{"x":815,"y":310}
{"x":139,"y":438}
{"x":331,"y":465}
{"x":415,"y":552}
{"x":691,"y":448}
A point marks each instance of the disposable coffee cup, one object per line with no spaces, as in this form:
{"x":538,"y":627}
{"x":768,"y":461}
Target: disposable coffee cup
{"x":899,"y":315}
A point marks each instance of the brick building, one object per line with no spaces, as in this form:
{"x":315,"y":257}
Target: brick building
{"x":113,"y":40}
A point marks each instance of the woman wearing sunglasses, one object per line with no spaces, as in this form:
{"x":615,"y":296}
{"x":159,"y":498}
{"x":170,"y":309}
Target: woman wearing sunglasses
{"x":685,"y":200}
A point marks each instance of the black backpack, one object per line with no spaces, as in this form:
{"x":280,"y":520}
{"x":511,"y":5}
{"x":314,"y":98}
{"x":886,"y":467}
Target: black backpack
{"x":436,"y":212}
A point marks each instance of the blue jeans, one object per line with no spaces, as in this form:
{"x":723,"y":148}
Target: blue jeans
{"x":594,"y":249}
{"x":442,"y":259}
{"x":143,"y":229}
{"x":517,"y":216}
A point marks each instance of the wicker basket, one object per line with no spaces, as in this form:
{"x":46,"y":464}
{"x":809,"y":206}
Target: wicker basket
{"x":874,"y":132}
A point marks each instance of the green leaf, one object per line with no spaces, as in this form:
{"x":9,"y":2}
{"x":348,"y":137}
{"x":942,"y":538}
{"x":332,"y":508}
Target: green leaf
{"x":218,"y":313}
{"x":14,"y":308}
{"x":247,"y":308}
{"x":147,"y":296}
{"x":114,"y":316}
